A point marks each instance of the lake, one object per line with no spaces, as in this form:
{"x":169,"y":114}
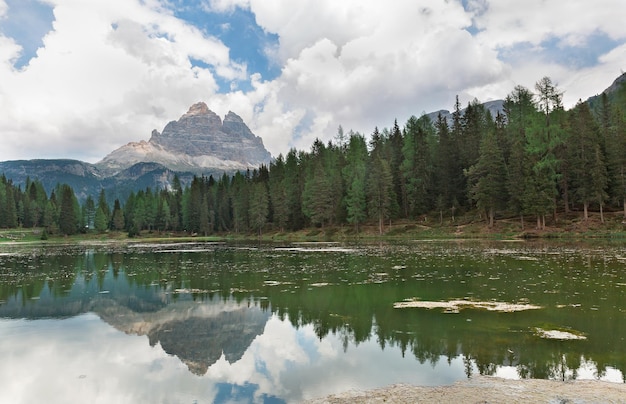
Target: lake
{"x":216,"y":322}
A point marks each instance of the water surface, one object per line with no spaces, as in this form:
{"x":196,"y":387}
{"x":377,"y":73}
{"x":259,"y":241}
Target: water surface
{"x":202,"y":322}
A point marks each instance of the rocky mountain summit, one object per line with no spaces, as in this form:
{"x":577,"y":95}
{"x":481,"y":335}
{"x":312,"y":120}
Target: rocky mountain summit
{"x":198,"y":142}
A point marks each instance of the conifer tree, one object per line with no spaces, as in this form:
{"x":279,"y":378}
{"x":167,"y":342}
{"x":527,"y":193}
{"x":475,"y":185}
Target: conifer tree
{"x":278,"y":193}
{"x":459,"y":188}
{"x":294,"y":187}
{"x":317,"y":196}
{"x":416,"y":167}
{"x":446,"y":176}
{"x":541,"y":142}
{"x":102,"y":204}
{"x":354,"y":176}
{"x":224,"y":216}
{"x":379,"y":191}
{"x":488,"y":177}
{"x":240,"y":195}
{"x":380,"y":197}
{"x":616,"y":155}
{"x":395,"y":156}
{"x":259,"y":206}
{"x":68,"y":213}
{"x":100,"y":221}
{"x":587,"y":159}
{"x":118,"y":216}
{"x":521,"y":115}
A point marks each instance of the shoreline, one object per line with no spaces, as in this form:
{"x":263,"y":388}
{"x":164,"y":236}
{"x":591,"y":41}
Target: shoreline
{"x":488,"y":389}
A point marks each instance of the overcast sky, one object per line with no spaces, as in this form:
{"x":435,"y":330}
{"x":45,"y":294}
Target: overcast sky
{"x":79,"y":78}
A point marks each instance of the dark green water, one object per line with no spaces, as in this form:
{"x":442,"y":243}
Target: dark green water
{"x":199,"y":323}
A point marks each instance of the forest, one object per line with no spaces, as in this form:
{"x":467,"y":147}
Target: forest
{"x":532,"y":162}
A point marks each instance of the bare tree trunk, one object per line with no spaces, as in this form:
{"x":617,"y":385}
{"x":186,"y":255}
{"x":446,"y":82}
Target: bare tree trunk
{"x":585,"y":210}
{"x":601,"y":213}
{"x":491,"y":216}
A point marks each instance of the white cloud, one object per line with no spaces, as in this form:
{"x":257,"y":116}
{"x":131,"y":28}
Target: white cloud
{"x":108,"y":73}
{"x":112,"y":70}
{"x":507,"y":22}
{"x":372,"y":62}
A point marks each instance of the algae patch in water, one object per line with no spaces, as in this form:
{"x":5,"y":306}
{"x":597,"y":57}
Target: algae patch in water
{"x":559,"y":334}
{"x":454,"y":306}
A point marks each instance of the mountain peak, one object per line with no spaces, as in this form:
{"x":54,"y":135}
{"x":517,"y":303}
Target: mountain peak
{"x":198,"y":141}
{"x":199,"y":108}
{"x":232,"y":117}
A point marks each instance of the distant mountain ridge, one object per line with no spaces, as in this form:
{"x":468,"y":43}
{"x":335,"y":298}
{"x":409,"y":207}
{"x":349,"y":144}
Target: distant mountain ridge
{"x":86,"y":179}
{"x":493,"y":107}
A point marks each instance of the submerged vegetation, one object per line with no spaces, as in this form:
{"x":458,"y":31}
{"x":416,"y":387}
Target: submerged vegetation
{"x":535,"y":162}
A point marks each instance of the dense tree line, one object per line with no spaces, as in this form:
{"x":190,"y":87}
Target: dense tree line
{"x":531,"y":161}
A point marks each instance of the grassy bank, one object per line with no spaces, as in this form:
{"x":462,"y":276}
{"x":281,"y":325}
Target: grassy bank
{"x":566,"y":227}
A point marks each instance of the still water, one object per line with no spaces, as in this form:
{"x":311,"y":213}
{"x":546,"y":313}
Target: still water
{"x":202,"y":322}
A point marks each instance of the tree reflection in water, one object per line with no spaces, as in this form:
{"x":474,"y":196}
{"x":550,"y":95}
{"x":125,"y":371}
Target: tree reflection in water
{"x":203,"y":302}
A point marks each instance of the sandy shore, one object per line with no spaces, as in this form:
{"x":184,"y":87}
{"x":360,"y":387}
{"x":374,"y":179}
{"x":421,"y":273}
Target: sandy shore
{"x":490,"y":390}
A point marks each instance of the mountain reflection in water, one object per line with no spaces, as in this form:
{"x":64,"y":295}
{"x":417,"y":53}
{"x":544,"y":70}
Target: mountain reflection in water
{"x":198,"y":334}
{"x":271,"y":324}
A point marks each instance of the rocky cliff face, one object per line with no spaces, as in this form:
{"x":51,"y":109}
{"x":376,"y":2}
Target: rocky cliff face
{"x":197,"y":142}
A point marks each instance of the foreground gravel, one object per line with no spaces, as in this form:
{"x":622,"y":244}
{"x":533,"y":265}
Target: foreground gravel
{"x":490,"y":390}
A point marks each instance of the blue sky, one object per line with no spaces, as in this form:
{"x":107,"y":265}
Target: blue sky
{"x":79,"y":79}
{"x":27,"y":21}
{"x":238,"y":30}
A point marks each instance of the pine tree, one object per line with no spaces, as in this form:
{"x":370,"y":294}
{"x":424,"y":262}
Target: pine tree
{"x":102,"y":204}
{"x":541,"y":143}
{"x":488,"y":177}
{"x":354,"y":176}
{"x":459,"y":187}
{"x":416,"y":167}
{"x":294,"y":188}
{"x":100,"y":221}
{"x":8,"y":206}
{"x":587,"y":159}
{"x":446,"y":178}
{"x":395,"y":156}
{"x":118,"y":216}
{"x":241,"y":199}
{"x":613,"y":126}
{"x":224,"y":209}
{"x":259,"y":206}
{"x":317,"y":196}
{"x":521,"y":115}
{"x":68,"y":214}
{"x":380,"y":191}
{"x":278,"y":193}
{"x":475,"y":123}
